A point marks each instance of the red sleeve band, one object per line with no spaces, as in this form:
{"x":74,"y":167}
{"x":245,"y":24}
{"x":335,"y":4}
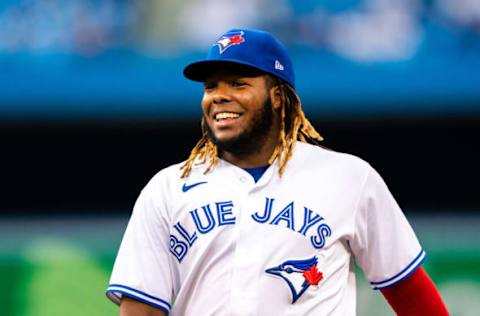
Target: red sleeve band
{"x":415,"y":296}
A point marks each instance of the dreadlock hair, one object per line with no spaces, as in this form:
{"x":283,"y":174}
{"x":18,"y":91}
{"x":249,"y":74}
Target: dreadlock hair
{"x":294,"y":126}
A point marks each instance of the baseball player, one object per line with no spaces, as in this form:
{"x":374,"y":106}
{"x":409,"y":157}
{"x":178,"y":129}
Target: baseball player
{"x":260,"y":220}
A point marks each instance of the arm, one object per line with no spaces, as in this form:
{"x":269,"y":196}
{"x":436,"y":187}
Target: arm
{"x":131,"y":307}
{"x":415,"y":296}
{"x":387,"y":249}
{"x":141,"y":270}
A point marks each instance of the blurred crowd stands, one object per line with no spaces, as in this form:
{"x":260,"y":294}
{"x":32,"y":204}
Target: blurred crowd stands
{"x":352,"y":56}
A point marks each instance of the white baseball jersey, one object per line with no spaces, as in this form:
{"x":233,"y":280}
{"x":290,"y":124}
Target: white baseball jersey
{"x":221,"y":244}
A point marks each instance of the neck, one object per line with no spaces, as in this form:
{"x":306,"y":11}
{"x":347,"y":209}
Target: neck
{"x":259,"y":158}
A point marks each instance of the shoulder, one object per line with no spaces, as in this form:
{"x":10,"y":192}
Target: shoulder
{"x":316,"y":157}
{"x":346,"y":170}
{"x":166,"y":176}
{"x":322,"y":165}
{"x":169,"y":179}
{"x":163,"y":184}
{"x":160,"y":192}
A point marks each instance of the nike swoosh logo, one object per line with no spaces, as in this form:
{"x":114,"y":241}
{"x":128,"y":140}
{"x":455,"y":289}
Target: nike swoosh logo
{"x":186,"y":187}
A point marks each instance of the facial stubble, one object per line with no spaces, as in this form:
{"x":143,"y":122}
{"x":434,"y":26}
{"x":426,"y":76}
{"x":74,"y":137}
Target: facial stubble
{"x":252,"y":139}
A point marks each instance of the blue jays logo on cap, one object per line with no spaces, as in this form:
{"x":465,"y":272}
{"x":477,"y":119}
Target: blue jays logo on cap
{"x":229,"y":39}
{"x":298,"y":274}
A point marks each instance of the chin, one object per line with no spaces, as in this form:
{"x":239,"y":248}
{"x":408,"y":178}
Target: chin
{"x":226,"y":137}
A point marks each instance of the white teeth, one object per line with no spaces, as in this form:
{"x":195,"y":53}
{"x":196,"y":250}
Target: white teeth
{"x":226,"y":115}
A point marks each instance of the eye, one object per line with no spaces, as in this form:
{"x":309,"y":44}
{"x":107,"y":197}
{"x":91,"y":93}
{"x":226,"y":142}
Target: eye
{"x":289,"y":270}
{"x":209,"y":86}
{"x":238,"y":83}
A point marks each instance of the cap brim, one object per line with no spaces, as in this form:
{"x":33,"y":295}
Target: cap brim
{"x":199,"y":71}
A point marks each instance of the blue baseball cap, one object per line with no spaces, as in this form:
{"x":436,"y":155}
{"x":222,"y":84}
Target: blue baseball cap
{"x":252,"y":48}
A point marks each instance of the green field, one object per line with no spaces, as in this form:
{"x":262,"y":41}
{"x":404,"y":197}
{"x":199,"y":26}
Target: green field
{"x":53,"y":266}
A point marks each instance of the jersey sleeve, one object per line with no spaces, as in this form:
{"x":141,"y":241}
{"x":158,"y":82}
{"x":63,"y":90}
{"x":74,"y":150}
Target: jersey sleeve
{"x":384,"y":244}
{"x":142,"y":267}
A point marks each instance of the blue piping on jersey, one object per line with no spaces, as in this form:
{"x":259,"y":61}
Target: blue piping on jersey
{"x":110,"y":290}
{"x":419,"y":259}
{"x":137,"y":298}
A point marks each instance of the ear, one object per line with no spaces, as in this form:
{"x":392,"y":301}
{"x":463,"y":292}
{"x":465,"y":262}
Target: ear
{"x":276,"y":97}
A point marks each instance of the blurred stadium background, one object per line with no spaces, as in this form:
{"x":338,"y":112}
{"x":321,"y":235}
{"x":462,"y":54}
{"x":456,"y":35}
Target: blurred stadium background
{"x":93,"y":103}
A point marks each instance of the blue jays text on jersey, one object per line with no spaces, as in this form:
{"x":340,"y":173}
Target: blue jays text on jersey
{"x":313,"y":227}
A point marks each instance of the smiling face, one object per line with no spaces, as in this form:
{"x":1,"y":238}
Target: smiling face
{"x":238,"y":110}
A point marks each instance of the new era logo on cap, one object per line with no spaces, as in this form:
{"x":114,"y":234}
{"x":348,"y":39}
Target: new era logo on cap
{"x":278,"y":65}
{"x":229,"y":39}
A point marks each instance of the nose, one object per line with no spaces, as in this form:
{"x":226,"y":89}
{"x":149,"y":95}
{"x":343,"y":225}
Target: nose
{"x":221,"y":93}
